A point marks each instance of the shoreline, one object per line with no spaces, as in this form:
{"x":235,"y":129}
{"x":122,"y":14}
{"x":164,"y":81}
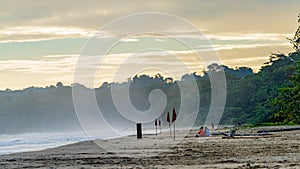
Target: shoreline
{"x":190,"y":152}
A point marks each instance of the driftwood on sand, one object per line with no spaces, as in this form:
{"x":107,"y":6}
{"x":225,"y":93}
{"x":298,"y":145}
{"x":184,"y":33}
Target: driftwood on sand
{"x":278,"y":130}
{"x":251,"y":137}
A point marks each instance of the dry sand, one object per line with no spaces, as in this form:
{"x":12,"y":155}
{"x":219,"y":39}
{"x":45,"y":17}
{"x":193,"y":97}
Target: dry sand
{"x":162,"y":152}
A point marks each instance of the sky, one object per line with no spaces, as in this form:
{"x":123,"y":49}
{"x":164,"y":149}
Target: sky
{"x":41,"y":41}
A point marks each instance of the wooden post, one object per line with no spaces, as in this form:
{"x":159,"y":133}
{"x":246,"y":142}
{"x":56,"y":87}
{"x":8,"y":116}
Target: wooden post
{"x":159,"y":122}
{"x":139,"y":131}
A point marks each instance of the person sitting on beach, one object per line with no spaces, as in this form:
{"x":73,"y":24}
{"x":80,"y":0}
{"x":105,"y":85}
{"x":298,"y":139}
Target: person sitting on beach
{"x":201,"y":132}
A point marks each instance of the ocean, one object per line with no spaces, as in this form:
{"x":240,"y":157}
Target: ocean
{"x":37,"y":141}
{"x":25,"y":142}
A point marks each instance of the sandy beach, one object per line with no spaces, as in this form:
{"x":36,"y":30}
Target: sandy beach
{"x":282,"y":151}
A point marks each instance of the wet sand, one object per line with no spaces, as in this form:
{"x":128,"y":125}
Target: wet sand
{"x":162,"y":152}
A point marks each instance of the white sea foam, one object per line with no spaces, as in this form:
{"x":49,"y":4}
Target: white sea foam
{"x":39,"y":141}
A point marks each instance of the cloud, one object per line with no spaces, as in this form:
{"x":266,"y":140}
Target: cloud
{"x":211,"y":16}
{"x":41,"y":33}
{"x":59,"y":56}
{"x":245,"y":46}
{"x":245,"y":60}
{"x":35,"y":33}
{"x":31,"y":20}
{"x":65,"y":65}
{"x":234,"y":41}
{"x":238,"y":36}
{"x":53,"y":68}
{"x":62,"y":67}
{"x":159,"y":39}
{"x":129,"y":40}
{"x":249,"y":36}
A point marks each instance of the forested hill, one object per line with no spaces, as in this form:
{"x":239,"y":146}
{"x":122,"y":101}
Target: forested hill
{"x":252,"y":99}
{"x":51,"y":108}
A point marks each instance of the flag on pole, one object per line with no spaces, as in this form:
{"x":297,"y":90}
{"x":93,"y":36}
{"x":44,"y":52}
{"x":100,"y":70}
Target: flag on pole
{"x":168,"y":117}
{"x":168,"y":120}
{"x":174,"y":115}
{"x":159,"y":123}
{"x":173,"y":120}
